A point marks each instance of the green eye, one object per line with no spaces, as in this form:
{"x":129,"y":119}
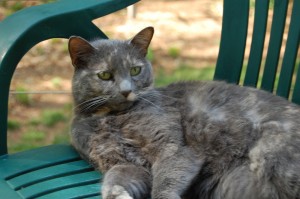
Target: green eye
{"x":105,"y":75}
{"x":135,"y":70}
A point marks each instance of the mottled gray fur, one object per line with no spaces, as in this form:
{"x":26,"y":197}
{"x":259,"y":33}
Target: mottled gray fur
{"x":187,"y":140}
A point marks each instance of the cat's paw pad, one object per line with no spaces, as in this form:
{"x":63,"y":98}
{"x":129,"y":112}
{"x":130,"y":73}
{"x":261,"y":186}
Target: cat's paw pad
{"x":116,"y":192}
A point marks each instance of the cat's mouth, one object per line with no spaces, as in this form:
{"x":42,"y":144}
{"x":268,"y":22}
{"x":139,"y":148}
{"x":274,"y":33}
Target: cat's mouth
{"x":121,"y":102}
{"x":131,"y":97}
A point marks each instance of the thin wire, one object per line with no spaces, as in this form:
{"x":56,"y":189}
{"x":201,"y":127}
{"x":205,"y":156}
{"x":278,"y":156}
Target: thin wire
{"x":39,"y":92}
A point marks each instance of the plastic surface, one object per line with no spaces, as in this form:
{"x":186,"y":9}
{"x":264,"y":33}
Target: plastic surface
{"x":257,"y":45}
{"x":233,"y":38}
{"x":275,"y":43}
{"x":47,"y":172}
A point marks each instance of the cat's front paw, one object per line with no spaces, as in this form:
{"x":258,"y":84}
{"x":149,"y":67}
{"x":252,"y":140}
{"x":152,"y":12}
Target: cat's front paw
{"x":115,"y":192}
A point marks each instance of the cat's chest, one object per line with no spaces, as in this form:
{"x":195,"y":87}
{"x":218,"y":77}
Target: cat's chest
{"x":144,"y":130}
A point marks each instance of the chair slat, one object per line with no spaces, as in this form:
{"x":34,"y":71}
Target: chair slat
{"x":257,"y":45}
{"x":47,"y":173}
{"x":278,"y":23}
{"x":86,"y":191}
{"x":19,"y":164}
{"x":231,"y":54}
{"x":290,"y":54}
{"x":61,"y":183}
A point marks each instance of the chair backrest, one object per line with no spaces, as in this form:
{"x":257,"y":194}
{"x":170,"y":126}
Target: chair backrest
{"x":24,"y":29}
{"x":233,"y":41}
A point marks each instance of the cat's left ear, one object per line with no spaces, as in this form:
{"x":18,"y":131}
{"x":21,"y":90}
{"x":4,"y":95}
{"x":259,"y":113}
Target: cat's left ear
{"x":143,"y":39}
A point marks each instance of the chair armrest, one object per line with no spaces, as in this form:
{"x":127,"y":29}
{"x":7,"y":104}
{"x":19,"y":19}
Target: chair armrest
{"x":24,"y":29}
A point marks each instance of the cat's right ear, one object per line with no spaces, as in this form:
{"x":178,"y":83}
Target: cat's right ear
{"x":143,"y":39}
{"x":79,"y":50}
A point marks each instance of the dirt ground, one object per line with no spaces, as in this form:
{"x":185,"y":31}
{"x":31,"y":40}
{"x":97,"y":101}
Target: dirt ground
{"x":186,"y":32}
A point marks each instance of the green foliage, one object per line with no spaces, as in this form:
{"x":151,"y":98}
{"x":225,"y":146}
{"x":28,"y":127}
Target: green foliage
{"x":271,"y":4}
{"x":23,"y":146}
{"x":52,"y":117}
{"x":35,"y":132}
{"x":18,"y":5}
{"x":40,"y":50}
{"x":29,"y":139}
{"x":183,"y":72}
{"x":297,"y":64}
{"x":14,"y":6}
{"x":62,"y":138}
{"x":13,"y":125}
{"x":56,"y":81}
{"x":34,"y":122}
{"x":47,"y":1}
{"x":22,"y":97}
{"x":65,"y":47}
{"x":33,"y":136}
{"x":150,"y":55}
{"x":174,"y":52}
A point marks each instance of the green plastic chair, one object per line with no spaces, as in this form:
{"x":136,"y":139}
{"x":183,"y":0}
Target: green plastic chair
{"x":54,"y":171}
{"x":233,"y":41}
{"x":57,"y":171}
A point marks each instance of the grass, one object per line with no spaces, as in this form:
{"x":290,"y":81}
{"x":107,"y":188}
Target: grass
{"x":150,"y":54}
{"x":23,"y":98}
{"x":14,"y":6}
{"x":13,"y":125}
{"x":29,"y":139}
{"x":174,"y":52}
{"x":56,"y":82}
{"x":183,"y":73}
{"x":62,"y":137}
{"x":271,"y":4}
{"x":51,"y":117}
{"x":51,"y":127}
{"x":33,"y":136}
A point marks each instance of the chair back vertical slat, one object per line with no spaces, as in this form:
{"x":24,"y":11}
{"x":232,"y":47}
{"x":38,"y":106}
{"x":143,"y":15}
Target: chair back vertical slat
{"x":278,"y":24}
{"x":257,"y":44}
{"x":290,"y":54}
{"x":231,"y":54}
{"x":296,"y":93}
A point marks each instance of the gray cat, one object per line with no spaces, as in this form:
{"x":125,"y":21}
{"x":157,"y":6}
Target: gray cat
{"x":187,"y":140}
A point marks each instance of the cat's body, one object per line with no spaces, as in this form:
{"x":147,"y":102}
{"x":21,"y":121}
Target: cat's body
{"x":190,"y":139}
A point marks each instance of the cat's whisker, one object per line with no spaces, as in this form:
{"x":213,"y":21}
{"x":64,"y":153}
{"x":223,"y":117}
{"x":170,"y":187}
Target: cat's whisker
{"x":86,"y":102}
{"x":150,"y":102}
{"x":162,"y":95}
{"x":94,"y":104}
{"x":155,"y":95}
{"x":91,"y":103}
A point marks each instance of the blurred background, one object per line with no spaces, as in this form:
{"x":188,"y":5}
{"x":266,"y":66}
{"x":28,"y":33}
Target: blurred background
{"x":184,"y":47}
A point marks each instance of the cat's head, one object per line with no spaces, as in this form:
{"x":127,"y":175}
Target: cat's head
{"x":110,"y":74}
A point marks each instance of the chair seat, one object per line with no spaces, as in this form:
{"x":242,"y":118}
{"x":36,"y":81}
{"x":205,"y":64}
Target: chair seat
{"x":55,"y":171}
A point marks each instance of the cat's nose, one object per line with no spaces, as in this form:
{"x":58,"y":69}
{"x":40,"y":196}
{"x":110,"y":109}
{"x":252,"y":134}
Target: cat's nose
{"x":125,"y":88}
{"x":126,"y":93}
